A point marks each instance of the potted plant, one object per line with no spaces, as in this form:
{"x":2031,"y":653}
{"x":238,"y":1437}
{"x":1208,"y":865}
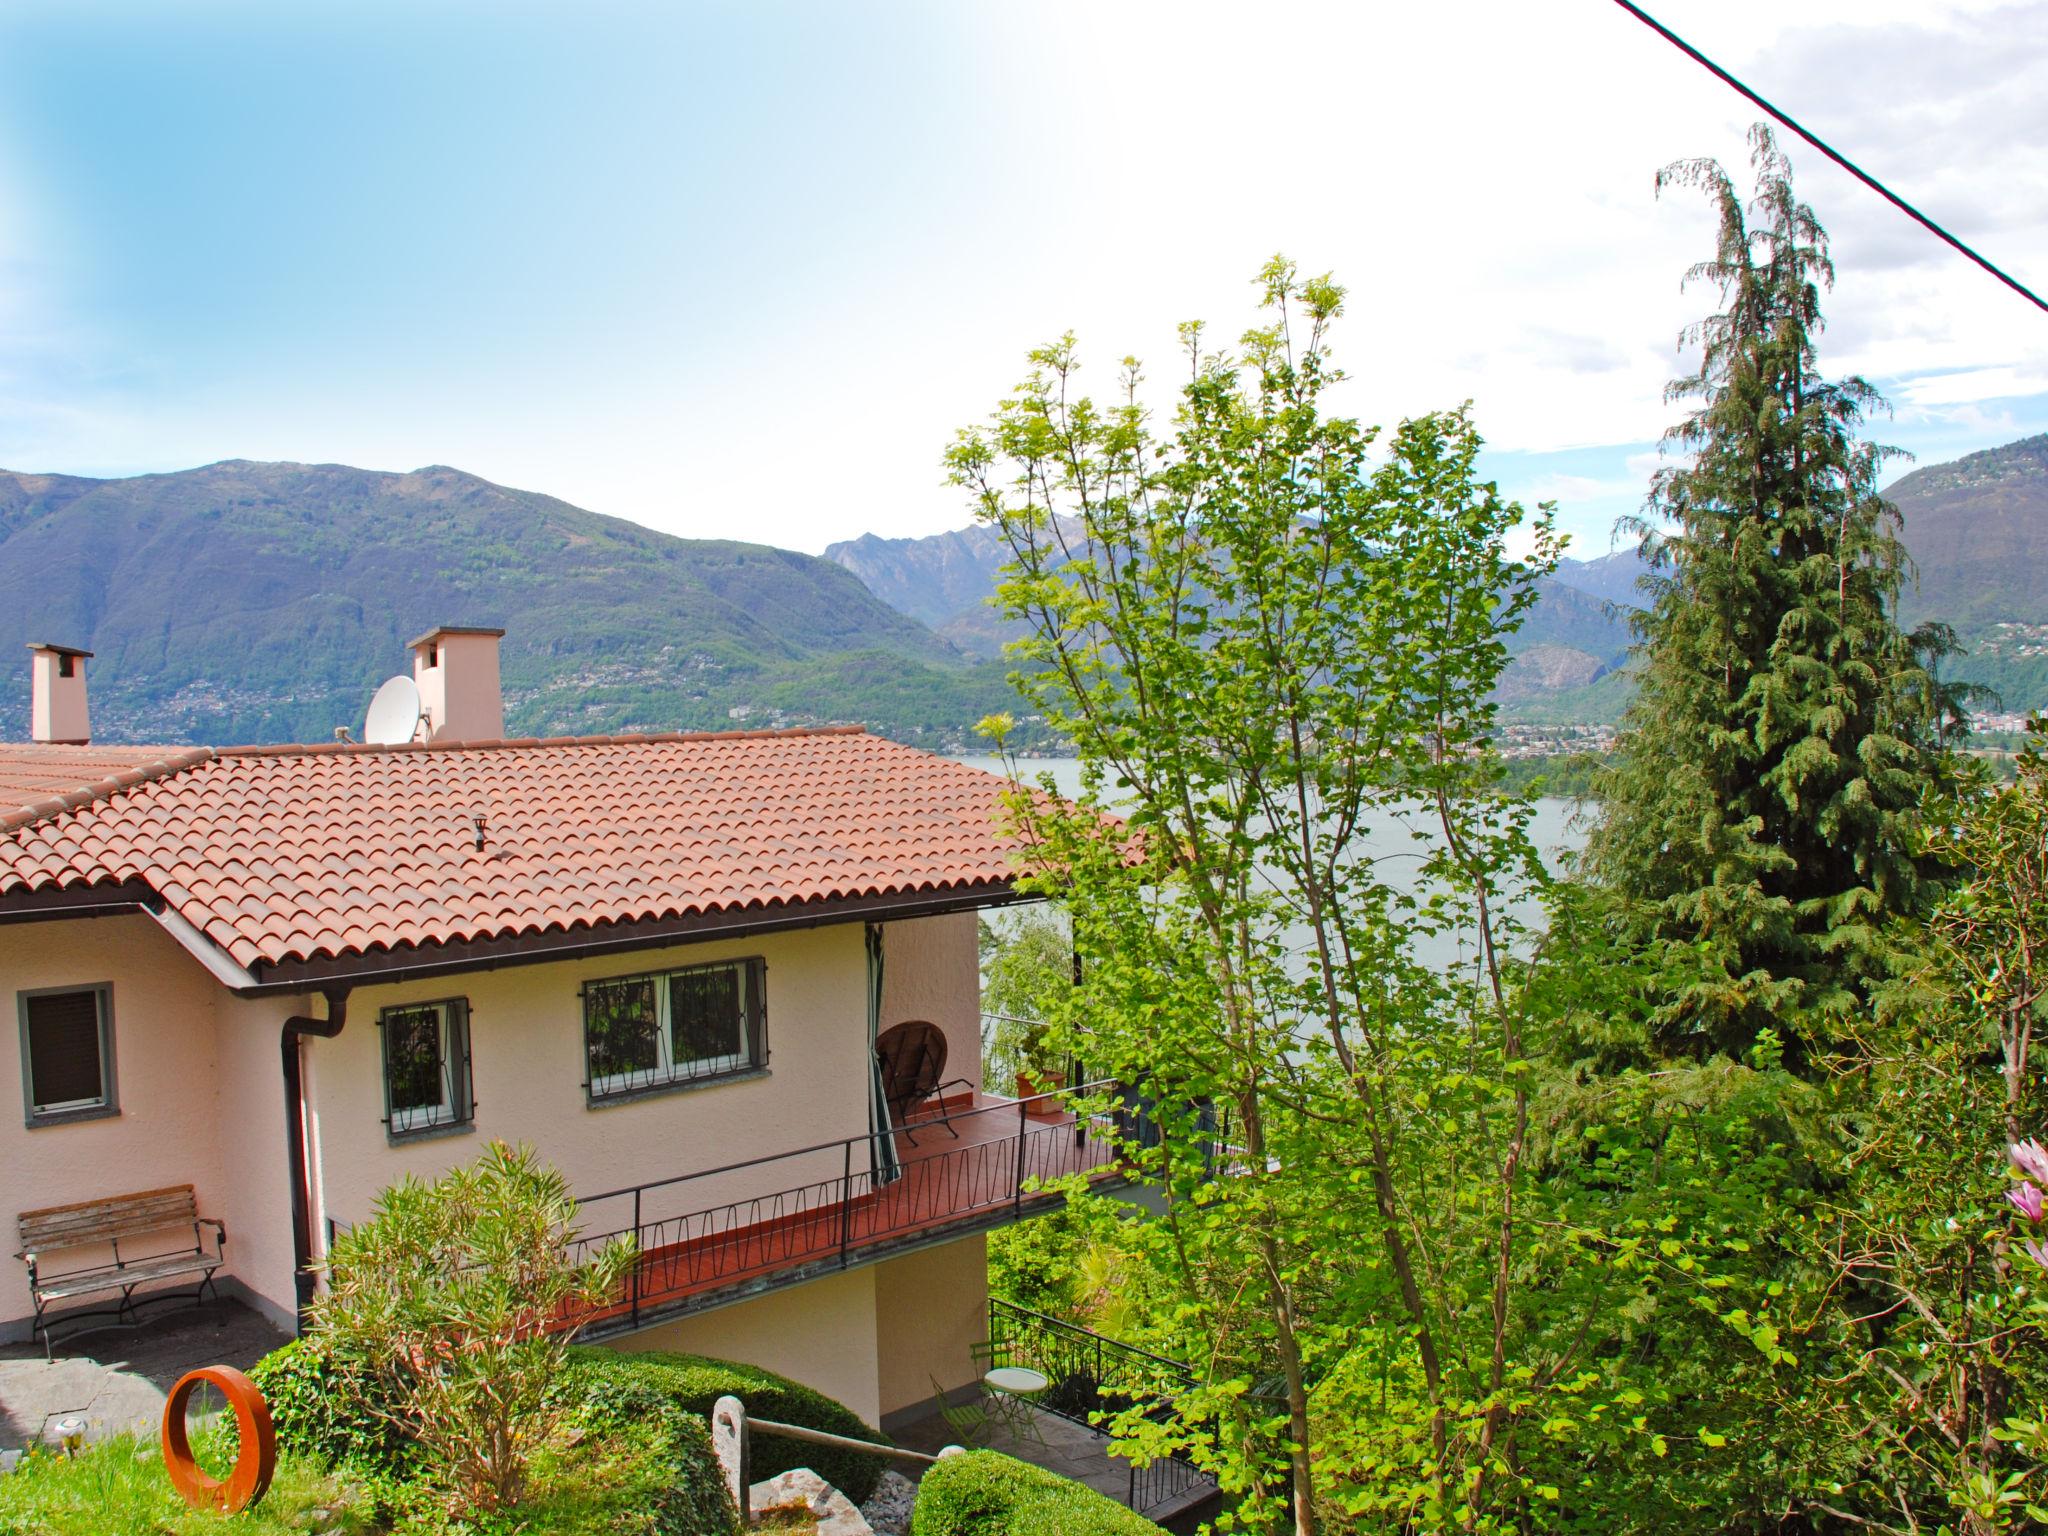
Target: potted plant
{"x":1037,"y":1076}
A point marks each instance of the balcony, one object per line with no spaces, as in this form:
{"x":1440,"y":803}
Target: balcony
{"x":711,"y":1237}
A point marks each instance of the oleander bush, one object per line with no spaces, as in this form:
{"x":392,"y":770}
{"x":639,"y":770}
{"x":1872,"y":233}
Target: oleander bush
{"x":694,"y":1382}
{"x":438,"y":1312}
{"x":985,"y":1493}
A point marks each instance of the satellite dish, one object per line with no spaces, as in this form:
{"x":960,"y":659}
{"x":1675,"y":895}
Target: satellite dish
{"x":394,"y":713}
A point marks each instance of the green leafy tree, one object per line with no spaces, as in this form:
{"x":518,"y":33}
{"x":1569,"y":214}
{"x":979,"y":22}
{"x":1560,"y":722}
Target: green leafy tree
{"x":449,"y":1313}
{"x":1939,"y":1333}
{"x":1269,"y":643}
{"x":1784,"y":729}
{"x":1027,"y":968}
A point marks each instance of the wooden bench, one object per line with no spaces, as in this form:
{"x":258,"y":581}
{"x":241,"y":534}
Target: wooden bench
{"x":105,"y":1222}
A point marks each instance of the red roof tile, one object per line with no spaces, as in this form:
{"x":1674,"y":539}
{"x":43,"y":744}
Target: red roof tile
{"x":298,"y":853}
{"x":32,"y":776}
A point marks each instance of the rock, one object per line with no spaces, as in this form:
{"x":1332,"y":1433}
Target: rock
{"x":834,"y":1511}
{"x":888,"y":1507}
{"x":7,"y":1461}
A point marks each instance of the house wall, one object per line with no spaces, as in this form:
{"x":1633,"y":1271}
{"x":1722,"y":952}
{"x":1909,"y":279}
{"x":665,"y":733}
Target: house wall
{"x":931,"y":969}
{"x":166,"y":1077}
{"x":201,"y":1088}
{"x":527,"y":1066}
{"x":821,"y":1333}
{"x":931,"y":1309}
{"x":875,"y":1338}
{"x":256,"y":1198}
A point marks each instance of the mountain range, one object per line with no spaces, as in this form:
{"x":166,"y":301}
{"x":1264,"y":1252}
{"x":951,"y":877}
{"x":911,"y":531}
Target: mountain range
{"x":1976,"y":530}
{"x":262,"y":602}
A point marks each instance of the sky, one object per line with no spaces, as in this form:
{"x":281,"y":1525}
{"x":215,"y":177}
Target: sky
{"x":742,"y":269}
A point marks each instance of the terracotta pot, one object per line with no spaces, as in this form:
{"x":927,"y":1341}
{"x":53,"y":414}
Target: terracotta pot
{"x":1030,"y":1088}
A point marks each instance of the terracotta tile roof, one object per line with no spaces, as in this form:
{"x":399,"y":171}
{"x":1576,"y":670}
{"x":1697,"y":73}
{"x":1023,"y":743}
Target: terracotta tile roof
{"x":298,"y":853}
{"x":35,"y":780}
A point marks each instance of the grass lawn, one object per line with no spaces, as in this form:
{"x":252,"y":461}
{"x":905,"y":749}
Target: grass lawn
{"x":614,"y":1484}
{"x":119,"y":1488}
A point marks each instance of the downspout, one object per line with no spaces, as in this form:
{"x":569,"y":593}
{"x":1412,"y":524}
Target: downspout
{"x":295,"y":1029}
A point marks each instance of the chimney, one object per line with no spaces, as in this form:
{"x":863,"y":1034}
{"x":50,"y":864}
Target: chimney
{"x":456,"y":667}
{"x":57,"y":703}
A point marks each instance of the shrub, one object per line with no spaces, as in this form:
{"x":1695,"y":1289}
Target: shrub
{"x":693,"y":1383}
{"x":985,"y":1493}
{"x":676,"y":1474}
{"x":442,"y":1307}
{"x":316,"y":1414}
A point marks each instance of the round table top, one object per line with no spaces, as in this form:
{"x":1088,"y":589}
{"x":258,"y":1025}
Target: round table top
{"x":1016,"y":1378}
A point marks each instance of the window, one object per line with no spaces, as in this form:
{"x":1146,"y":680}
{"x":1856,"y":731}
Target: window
{"x":642,"y":1032}
{"x":426,"y":1066}
{"x":67,"y":1054}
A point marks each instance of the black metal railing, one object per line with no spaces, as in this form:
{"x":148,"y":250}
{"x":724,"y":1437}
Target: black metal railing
{"x":1091,"y":1376}
{"x":846,"y":1198}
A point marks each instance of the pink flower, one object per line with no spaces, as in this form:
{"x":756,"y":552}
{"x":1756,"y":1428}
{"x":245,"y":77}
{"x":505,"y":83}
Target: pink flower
{"x":2030,"y":1158}
{"x":2028,"y":1199}
{"x":2038,"y":1252}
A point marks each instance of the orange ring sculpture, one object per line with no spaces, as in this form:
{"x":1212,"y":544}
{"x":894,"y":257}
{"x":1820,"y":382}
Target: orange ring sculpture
{"x":255,"y":1459}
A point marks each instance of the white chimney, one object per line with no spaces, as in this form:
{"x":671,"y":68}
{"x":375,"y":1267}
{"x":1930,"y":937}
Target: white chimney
{"x":57,"y":698}
{"x":456,"y":668}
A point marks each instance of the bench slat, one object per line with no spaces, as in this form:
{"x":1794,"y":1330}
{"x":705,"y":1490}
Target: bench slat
{"x":94,"y":1221}
{"x":68,"y":1286}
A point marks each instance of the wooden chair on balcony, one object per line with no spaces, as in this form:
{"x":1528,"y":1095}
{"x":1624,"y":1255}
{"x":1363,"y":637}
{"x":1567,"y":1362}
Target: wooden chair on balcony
{"x":913,"y":1058}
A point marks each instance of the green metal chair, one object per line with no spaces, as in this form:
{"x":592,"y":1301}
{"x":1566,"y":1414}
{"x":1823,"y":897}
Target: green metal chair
{"x":970,"y":1421}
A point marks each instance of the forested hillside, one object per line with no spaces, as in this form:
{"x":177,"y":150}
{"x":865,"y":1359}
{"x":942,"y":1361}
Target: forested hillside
{"x":1976,"y":530}
{"x":262,"y":602}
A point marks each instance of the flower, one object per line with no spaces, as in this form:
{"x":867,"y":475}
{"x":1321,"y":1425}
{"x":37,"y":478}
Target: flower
{"x":2028,"y":1200}
{"x":2030,"y":1158}
{"x":2038,"y":1252}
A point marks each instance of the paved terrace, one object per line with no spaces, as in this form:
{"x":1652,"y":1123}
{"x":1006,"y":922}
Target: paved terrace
{"x":117,"y":1380}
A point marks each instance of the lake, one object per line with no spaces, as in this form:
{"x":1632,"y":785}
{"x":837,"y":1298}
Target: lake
{"x":1388,"y":835}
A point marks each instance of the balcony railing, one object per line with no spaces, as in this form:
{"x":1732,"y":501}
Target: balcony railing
{"x":789,"y":1215}
{"x":1092,"y":1376}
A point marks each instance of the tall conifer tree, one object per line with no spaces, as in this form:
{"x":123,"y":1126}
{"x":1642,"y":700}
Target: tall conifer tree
{"x":1784,"y":726}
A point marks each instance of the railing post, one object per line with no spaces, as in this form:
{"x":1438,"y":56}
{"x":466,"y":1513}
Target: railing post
{"x":846,"y":1205}
{"x":639,"y":1258}
{"x":1022,"y":1123}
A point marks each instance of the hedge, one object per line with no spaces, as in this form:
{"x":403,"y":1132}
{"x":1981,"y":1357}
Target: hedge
{"x":985,"y":1493}
{"x":694,"y":1383}
{"x":315,"y":1416}
{"x":313,"y":1413}
{"x":681,"y":1491}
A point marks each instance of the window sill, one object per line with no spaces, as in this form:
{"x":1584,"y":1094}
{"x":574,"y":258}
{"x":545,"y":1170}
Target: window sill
{"x":679,"y":1085}
{"x":429,"y":1132}
{"x":71,"y":1117}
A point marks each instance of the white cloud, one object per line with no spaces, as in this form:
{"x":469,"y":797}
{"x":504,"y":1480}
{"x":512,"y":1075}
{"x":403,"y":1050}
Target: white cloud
{"x":1480,"y":175}
{"x":1974,"y":385}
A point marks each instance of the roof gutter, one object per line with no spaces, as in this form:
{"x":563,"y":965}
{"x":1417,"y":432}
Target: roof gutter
{"x":226,"y":970}
{"x":292,"y":976}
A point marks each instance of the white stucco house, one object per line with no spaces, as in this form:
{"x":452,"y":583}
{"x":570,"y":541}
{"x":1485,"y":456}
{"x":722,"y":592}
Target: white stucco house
{"x":286,"y":975}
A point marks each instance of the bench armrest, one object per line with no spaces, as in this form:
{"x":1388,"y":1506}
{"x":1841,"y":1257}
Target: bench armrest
{"x":220,"y":1229}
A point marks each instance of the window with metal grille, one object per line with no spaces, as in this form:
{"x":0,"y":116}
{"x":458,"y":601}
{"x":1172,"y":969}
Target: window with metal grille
{"x":67,"y":1053}
{"x":668,"y":1027}
{"x":426,"y":1066}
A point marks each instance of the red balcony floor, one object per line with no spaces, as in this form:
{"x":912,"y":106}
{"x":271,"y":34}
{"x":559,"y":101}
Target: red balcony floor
{"x":968,"y":1167}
